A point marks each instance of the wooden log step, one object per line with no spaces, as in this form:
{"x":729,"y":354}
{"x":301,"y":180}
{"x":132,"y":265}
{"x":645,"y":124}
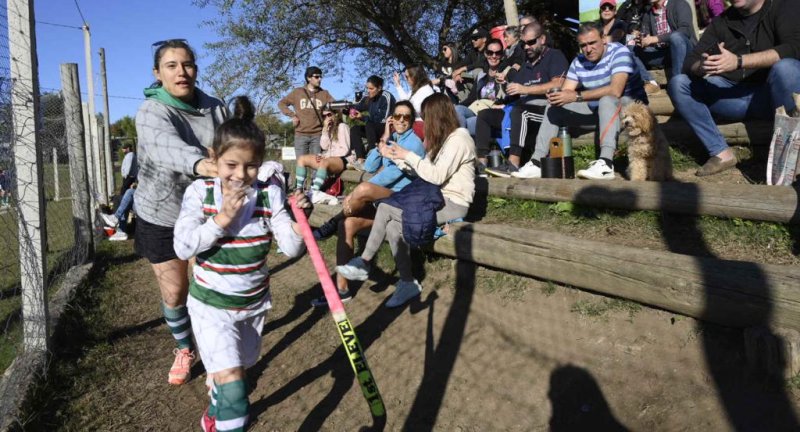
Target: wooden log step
{"x":755,"y":202}
{"x":732,"y":293}
{"x":751,"y":132}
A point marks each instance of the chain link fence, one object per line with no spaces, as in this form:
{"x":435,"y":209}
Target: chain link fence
{"x":37,"y":173}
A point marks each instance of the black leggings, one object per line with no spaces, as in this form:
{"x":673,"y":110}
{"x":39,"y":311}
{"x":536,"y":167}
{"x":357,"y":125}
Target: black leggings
{"x":373,"y":132}
{"x":525,"y":122}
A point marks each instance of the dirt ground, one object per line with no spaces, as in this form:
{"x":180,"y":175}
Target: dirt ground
{"x":480,"y":350}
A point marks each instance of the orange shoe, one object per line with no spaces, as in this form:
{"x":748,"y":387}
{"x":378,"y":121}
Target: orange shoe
{"x":179,"y":373}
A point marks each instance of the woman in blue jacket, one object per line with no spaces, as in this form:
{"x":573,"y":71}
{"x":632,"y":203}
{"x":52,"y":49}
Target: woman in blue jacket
{"x":379,"y":106}
{"x":356,"y":214}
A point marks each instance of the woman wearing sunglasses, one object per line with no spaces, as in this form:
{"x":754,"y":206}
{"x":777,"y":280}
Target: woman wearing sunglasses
{"x":444,"y":76}
{"x":421,"y":88}
{"x":335,"y":157}
{"x":356,"y":214}
{"x":450,"y":164}
{"x":175,"y":127}
{"x":487,"y":90}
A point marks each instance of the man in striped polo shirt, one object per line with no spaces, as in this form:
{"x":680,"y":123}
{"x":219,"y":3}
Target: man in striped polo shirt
{"x":601,"y":80}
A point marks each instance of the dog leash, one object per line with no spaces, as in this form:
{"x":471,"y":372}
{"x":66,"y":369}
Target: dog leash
{"x":613,"y":118}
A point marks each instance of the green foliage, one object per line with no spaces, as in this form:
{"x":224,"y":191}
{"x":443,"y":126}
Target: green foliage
{"x":272,"y":42}
{"x":124,"y":127}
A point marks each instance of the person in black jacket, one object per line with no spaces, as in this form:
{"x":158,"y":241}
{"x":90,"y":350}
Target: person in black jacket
{"x":379,"y":105}
{"x":745,"y":66}
{"x":667,"y":35}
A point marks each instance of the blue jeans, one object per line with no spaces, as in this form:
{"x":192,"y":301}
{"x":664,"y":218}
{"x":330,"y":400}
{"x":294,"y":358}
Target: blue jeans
{"x":699,"y":100}
{"x":671,"y":57}
{"x":464,"y":115}
{"x":125,"y":206}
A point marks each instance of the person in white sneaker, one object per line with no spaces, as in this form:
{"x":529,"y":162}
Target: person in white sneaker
{"x":601,"y":80}
{"x":450,"y":164}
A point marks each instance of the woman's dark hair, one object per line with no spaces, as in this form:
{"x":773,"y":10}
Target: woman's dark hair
{"x":440,"y":118}
{"x":418,"y":76}
{"x":375,"y":80}
{"x":494,"y":41}
{"x":407,"y":104}
{"x":454,"y":50}
{"x":172,"y":44}
{"x":333,"y":132}
{"x":240,"y":131}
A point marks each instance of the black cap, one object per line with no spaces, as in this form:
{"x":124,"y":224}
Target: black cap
{"x":479,"y":32}
{"x":313,"y":70}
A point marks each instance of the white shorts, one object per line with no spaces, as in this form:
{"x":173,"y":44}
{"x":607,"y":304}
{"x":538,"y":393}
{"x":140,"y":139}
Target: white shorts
{"x":226,"y":338}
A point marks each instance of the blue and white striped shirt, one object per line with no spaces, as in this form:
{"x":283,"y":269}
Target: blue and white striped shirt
{"x":617,"y":59}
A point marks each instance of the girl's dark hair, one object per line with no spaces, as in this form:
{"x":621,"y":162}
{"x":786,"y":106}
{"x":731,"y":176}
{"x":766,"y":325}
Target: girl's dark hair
{"x":375,"y":80}
{"x":407,"y":104}
{"x":418,"y":75}
{"x":174,"y":43}
{"x":240,"y":131}
{"x":440,"y":118}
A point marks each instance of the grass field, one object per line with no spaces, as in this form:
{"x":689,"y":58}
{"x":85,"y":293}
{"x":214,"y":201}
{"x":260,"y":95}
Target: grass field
{"x":60,"y":242}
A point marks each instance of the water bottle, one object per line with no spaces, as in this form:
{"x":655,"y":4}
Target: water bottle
{"x":566,"y":141}
{"x":495,"y":158}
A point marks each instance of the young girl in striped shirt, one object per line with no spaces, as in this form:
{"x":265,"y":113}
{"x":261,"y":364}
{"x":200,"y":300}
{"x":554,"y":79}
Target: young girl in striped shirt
{"x":228,"y":224}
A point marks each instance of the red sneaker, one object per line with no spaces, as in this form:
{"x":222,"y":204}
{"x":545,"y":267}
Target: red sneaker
{"x":179,"y":373}
{"x":208,"y":423}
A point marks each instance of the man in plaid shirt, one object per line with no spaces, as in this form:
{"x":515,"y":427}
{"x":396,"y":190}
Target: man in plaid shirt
{"x":667,"y":35}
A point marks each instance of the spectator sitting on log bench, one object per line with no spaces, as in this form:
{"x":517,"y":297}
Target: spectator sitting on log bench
{"x":745,"y":66}
{"x":607,"y":78}
{"x":667,"y":35}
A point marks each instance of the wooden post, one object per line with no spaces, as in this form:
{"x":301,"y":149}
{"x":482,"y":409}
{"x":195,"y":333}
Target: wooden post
{"x":28,"y":160}
{"x":79,"y":179}
{"x":106,"y":126}
{"x":104,"y":168}
{"x":512,"y":17}
{"x":55,"y":174}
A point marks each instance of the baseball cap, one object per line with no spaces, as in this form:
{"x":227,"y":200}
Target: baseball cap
{"x":479,"y":32}
{"x":611,"y":2}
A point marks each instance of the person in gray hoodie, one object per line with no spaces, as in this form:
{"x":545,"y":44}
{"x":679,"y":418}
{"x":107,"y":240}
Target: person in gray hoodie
{"x":175,"y":126}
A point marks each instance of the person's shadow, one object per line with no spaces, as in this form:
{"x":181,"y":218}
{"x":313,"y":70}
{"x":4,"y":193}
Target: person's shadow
{"x":578,"y":403}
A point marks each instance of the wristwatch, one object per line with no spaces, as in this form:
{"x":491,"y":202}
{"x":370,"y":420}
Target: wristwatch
{"x":738,"y":62}
{"x":578,"y":97}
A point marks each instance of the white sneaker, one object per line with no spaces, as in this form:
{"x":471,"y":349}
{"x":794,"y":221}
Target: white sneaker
{"x":119,"y":236}
{"x":598,"y":170}
{"x":109,"y":219}
{"x":529,"y":170}
{"x":319,"y":197}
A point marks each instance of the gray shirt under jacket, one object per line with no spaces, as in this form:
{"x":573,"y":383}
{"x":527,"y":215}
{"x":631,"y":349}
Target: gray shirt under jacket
{"x":171,"y":141}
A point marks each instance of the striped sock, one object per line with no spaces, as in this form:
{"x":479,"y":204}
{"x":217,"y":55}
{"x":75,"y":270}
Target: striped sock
{"x":179,"y":324}
{"x":299,"y":177}
{"x":319,"y":179}
{"x":232,"y":407}
{"x":212,"y":407}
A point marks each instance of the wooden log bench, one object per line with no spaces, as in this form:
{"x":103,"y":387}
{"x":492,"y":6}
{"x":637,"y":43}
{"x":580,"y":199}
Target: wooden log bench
{"x":756,"y":202}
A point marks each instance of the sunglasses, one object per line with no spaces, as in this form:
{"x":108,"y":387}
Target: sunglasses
{"x":474,"y":38}
{"x":531,"y":42}
{"x":402,"y":117}
{"x":607,"y":7}
{"x":490,"y":53}
{"x":158,"y":44}
{"x":326,"y":115}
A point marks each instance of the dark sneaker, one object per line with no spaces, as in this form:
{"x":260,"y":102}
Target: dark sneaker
{"x":326,"y":230}
{"x":323,"y":302}
{"x":504,"y":170}
{"x":480,"y":170}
